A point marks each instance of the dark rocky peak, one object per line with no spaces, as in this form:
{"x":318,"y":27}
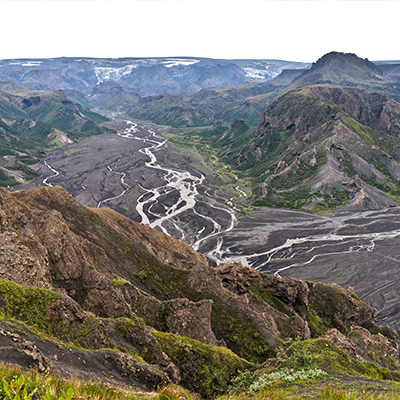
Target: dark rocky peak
{"x":344,"y":69}
{"x":335,"y":58}
{"x":315,"y":105}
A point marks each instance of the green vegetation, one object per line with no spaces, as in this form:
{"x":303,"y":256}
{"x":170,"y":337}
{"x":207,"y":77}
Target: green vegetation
{"x":74,"y":150}
{"x":120,"y":281}
{"x":44,"y":120}
{"x":299,"y":173}
{"x":32,"y":384}
{"x":300,"y":365}
{"x":7,"y":181}
{"x":240,"y":333}
{"x":333,"y":200}
{"x":165,"y":281}
{"x":27,"y":303}
{"x":295,"y":199}
{"x":287,"y":376}
{"x":205,"y":369}
{"x":267,"y":296}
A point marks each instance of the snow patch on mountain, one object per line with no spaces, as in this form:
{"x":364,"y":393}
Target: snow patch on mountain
{"x":175,"y":62}
{"x":104,"y":73}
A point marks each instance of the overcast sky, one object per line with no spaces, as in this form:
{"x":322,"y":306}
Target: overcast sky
{"x":289,"y":30}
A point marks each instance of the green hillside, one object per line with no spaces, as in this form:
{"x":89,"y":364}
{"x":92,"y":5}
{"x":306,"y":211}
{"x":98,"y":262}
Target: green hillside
{"x":32,"y":121}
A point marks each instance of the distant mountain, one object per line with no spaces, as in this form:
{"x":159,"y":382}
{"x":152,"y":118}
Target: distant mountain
{"x":249,"y":101}
{"x":392,"y":69}
{"x":112,"y":96}
{"x":33,"y":120}
{"x":345,"y":69}
{"x":207,"y":106}
{"x":149,"y":76}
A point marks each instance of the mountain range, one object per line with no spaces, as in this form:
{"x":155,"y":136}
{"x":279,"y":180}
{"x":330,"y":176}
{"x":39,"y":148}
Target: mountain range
{"x":249,"y":101}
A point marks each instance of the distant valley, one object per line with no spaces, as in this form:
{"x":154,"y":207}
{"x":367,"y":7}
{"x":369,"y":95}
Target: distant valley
{"x":323,"y":139}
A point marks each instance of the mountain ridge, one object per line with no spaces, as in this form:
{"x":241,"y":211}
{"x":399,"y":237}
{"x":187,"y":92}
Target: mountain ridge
{"x":249,"y":100}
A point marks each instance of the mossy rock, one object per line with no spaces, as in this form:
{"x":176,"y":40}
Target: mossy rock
{"x":330,"y":358}
{"x":205,"y":369}
{"x":28,"y":304}
{"x":239,"y":332}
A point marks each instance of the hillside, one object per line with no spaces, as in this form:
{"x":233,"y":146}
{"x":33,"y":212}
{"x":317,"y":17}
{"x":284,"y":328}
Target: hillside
{"x":318,"y":148}
{"x":31,"y":121}
{"x":169,"y":317}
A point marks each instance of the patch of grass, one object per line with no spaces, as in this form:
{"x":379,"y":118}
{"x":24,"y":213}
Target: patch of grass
{"x":330,"y":358}
{"x":75,"y":150}
{"x":333,"y":200}
{"x":295,"y":199}
{"x":205,"y":369}
{"x":120,"y":281}
{"x":30,"y":304}
{"x":51,"y":387}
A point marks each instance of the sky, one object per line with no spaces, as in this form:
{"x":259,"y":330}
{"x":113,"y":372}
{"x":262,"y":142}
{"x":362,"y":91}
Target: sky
{"x":287,"y":30}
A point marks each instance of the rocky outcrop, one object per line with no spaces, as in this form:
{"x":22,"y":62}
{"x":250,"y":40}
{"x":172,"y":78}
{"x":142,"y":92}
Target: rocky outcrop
{"x":343,"y":309}
{"x":190,"y":319}
{"x":115,"y":279}
{"x":358,"y":342}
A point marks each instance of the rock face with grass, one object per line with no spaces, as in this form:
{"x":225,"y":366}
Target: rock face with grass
{"x":319,"y":148}
{"x":126,"y":301}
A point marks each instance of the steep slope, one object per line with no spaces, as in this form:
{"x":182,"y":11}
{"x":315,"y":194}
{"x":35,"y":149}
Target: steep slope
{"x":32,"y":121}
{"x":319,"y":147}
{"x":96,"y":286}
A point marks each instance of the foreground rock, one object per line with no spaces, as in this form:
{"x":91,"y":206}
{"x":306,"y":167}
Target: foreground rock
{"x":97,"y":280}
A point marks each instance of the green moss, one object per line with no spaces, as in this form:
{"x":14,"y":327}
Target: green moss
{"x":267,"y":296}
{"x":205,"y":369}
{"x":27,"y":303}
{"x":78,"y":334}
{"x":165,"y":281}
{"x":333,"y":359}
{"x":239,"y":332}
{"x":318,"y":326}
{"x":120,"y":281}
